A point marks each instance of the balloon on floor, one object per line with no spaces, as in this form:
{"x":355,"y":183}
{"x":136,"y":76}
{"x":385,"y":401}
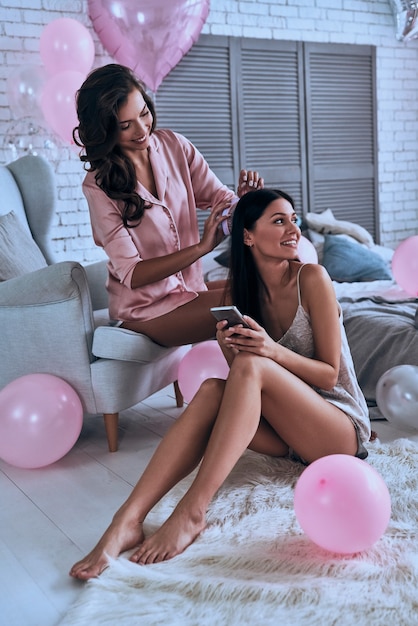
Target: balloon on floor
{"x":342,"y":503}
{"x":205,"y":360}
{"x":40,"y":420}
{"x":397,"y":395}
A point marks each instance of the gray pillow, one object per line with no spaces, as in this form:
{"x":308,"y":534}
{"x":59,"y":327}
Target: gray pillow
{"x":19,"y":254}
{"x":348,"y":261}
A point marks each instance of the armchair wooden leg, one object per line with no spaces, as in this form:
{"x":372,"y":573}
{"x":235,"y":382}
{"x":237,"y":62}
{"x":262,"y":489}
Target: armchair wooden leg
{"x":179,"y":395}
{"x":111,"y":421}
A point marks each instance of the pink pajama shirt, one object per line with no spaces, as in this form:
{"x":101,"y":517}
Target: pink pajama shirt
{"x":184,"y":183}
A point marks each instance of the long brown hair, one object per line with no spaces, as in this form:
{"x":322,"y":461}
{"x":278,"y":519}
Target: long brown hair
{"x":98,"y":101}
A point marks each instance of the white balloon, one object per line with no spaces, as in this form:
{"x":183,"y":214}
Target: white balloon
{"x":397,"y":395}
{"x":26,"y":136}
{"x":24,"y":88}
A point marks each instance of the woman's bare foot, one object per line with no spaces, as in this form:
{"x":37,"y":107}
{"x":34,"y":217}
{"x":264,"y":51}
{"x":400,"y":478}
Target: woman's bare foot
{"x":122,"y":534}
{"x":174,"y":536}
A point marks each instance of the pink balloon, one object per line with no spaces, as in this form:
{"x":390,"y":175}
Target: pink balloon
{"x":40,"y":420}
{"x":306,"y":250}
{"x":58,"y":103}
{"x":342,"y":503}
{"x":405,"y":265}
{"x":205,"y":360}
{"x":65,"y":44}
{"x":149,"y":36}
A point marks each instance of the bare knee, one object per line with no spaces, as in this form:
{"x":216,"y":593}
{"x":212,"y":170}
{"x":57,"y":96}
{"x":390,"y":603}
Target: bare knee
{"x":211,"y":389}
{"x":204,"y":406}
{"x":246,"y":364}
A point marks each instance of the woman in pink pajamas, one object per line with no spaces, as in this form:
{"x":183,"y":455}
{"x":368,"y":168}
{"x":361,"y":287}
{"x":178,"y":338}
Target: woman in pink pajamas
{"x":143,"y":186}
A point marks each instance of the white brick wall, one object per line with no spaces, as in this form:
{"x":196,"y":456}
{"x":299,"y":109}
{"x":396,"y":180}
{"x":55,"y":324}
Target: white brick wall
{"x":339,"y":21}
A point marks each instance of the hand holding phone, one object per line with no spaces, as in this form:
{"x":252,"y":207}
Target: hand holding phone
{"x":229,"y":313}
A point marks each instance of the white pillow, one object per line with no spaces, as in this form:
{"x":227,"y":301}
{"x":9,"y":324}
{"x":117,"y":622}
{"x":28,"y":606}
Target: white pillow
{"x":327,"y":224}
{"x":19,"y":253}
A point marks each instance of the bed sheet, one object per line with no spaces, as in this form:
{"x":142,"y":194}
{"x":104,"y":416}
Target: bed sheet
{"x":385,"y":290}
{"x":381,"y":322}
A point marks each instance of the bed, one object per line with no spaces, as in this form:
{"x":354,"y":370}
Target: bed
{"x":381,"y":323}
{"x":380,"y":318}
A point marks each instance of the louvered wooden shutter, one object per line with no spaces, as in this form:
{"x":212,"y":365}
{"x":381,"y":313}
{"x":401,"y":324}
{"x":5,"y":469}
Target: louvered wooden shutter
{"x":303,"y":114}
{"x":341,"y":132}
{"x":271,"y":114}
{"x":196,"y":100}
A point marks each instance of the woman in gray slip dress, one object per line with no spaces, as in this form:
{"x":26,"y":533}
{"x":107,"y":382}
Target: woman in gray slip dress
{"x":291,"y":388}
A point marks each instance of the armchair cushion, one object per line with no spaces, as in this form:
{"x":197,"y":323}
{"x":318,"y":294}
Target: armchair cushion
{"x":19,"y":254}
{"x":112,"y":342}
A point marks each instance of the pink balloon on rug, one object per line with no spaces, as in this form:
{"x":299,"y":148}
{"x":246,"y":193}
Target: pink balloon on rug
{"x":149,"y":36}
{"x":66,"y":44}
{"x":205,"y":360}
{"x":405,"y":265}
{"x":40,"y":420}
{"x":342,"y":503}
{"x":306,"y":251}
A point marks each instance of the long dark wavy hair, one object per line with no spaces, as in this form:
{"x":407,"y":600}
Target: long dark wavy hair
{"x":98,"y":101}
{"x":244,"y":279}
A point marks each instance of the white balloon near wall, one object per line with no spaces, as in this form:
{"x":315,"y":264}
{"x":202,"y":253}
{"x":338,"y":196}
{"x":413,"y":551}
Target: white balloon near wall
{"x":26,"y":136}
{"x":24,"y":88}
{"x":397,"y":396}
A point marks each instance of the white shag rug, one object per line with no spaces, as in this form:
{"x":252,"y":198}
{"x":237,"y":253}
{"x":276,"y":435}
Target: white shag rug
{"x":254,"y":565}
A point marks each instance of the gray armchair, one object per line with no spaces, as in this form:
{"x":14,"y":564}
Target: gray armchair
{"x":54,"y":319}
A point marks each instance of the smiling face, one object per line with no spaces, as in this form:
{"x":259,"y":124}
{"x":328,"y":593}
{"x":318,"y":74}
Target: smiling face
{"x":135,"y":124}
{"x":276,"y":233}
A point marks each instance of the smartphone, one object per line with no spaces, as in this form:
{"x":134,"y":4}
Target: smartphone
{"x":230,"y":314}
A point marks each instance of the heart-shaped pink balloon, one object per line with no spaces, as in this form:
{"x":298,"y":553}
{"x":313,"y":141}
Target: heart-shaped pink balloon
{"x":149,"y":36}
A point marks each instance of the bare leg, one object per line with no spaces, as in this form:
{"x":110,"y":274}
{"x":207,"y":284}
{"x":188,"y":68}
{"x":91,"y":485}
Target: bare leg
{"x":235,"y":427}
{"x":176,"y":456}
{"x":217,"y":284}
{"x":297,"y":415}
{"x":189,"y":323}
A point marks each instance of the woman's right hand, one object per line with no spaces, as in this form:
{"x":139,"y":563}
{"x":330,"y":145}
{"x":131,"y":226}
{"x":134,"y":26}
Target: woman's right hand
{"x":151,"y":270}
{"x":222,"y":332}
{"x":212,"y":231}
{"x":254,"y":339}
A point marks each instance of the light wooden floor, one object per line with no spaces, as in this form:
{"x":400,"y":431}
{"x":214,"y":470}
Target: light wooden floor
{"x":51,"y":517}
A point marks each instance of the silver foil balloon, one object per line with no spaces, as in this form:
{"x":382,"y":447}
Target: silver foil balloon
{"x":406,"y":13}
